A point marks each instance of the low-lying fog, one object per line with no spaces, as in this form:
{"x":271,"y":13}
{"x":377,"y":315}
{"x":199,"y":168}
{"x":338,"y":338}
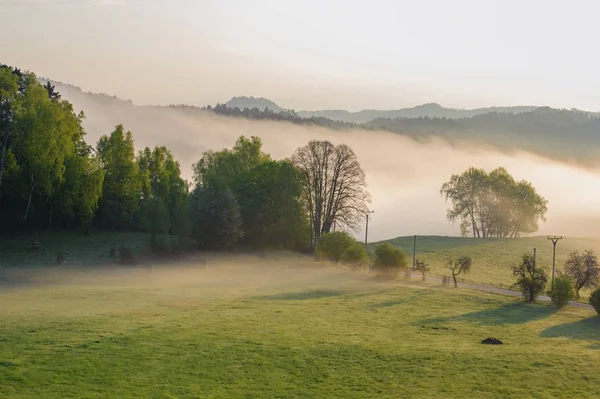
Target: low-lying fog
{"x":404,"y":176}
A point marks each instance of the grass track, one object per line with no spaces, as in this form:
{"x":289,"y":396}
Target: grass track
{"x":282,"y":328}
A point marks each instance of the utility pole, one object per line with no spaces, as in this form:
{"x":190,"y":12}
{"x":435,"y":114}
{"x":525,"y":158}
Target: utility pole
{"x":367,"y":227}
{"x":532,"y":290}
{"x":414,"y":250}
{"x":554,"y":241}
{"x":367,"y":235}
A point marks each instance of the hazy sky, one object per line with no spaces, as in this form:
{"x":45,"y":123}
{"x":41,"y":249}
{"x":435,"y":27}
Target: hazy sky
{"x":314,"y":54}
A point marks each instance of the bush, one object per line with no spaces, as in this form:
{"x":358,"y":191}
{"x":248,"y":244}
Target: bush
{"x":388,"y":260}
{"x":531,"y":280}
{"x":332,"y":246}
{"x":563,"y":291}
{"x":595,"y":300}
{"x":355,"y":255}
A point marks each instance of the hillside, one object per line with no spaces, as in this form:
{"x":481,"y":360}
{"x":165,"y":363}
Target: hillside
{"x":253,"y":102}
{"x":565,"y":135}
{"x":492,"y":258}
{"x":431,"y":110}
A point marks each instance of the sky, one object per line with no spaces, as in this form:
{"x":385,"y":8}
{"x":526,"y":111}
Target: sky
{"x":312,"y":54}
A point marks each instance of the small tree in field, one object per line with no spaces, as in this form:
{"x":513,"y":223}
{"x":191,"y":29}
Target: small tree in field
{"x":460,"y":265}
{"x":583,"y":269}
{"x":530,"y":279}
{"x":332,"y":246}
{"x":388,"y":260}
{"x":562,"y":292}
{"x":422,"y":267}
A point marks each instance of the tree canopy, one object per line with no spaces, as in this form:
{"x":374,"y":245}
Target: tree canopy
{"x":493,"y":204}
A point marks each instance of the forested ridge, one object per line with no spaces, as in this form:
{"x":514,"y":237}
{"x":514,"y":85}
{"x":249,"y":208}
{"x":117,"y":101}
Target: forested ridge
{"x":561,"y":134}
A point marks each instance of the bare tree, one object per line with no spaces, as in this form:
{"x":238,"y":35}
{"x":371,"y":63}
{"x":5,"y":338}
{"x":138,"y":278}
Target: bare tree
{"x":422,"y":267}
{"x":462,"y":264}
{"x":583,"y":269}
{"x":334,"y":186}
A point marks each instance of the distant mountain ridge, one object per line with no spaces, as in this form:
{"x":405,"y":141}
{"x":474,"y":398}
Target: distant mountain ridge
{"x":561,"y":134}
{"x":432,"y":110}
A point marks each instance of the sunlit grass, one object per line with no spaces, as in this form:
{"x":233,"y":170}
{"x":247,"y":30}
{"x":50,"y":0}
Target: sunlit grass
{"x":279,"y":328}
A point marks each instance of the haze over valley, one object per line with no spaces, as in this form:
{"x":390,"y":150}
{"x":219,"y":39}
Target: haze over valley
{"x":404,"y":175}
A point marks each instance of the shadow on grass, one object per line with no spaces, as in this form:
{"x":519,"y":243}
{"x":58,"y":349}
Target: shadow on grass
{"x":586,"y":329}
{"x":512,"y":313}
{"x":301,"y":296}
{"x":402,"y":301}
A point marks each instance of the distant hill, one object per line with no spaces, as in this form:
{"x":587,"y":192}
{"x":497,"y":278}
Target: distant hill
{"x":253,"y":102}
{"x":431,"y":110}
{"x":561,"y":134}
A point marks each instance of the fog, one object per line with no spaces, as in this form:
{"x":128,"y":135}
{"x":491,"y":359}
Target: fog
{"x":403,"y":176}
{"x":116,"y":289}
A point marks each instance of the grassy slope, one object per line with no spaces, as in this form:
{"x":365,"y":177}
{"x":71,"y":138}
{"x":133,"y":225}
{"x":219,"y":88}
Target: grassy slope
{"x":492,"y":258}
{"x":288,"y":334}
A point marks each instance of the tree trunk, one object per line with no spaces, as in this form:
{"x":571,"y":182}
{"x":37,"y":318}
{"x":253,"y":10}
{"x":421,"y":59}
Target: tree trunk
{"x":454,"y":278}
{"x":32,"y":184}
{"x":4,"y":145}
{"x":50,"y":218}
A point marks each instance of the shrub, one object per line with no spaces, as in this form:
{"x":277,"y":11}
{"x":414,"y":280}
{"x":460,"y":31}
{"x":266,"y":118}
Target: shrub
{"x":388,"y":260}
{"x":422,"y":267}
{"x":562,"y":292}
{"x":531,"y":280}
{"x":355,"y":255}
{"x":126,"y":256}
{"x":595,"y":300}
{"x":332,"y":246}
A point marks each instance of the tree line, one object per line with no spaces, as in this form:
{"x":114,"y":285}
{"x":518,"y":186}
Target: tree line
{"x":51,"y":178}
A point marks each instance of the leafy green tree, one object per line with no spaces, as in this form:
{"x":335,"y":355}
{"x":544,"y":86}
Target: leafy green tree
{"x":48,"y":131}
{"x":270,"y":197}
{"x":78,"y":196}
{"x":459,"y":265}
{"x":217,"y":222}
{"x":494,"y":204}
{"x":220,"y":169}
{"x":583,"y":268}
{"x":332,"y":246}
{"x":9,"y":105}
{"x":123,"y":184}
{"x":562,"y":292}
{"x":156,"y":221}
{"x":531,"y":280}
{"x":161,"y":180}
{"x":388,"y":260}
{"x":355,"y":255}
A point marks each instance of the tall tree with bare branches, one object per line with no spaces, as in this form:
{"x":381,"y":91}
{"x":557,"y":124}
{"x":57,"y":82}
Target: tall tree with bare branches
{"x":334,"y":186}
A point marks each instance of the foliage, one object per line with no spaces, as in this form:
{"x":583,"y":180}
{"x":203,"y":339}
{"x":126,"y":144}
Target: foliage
{"x":122,"y":186}
{"x":595,"y":300}
{"x":494,"y":204}
{"x":216,"y":218}
{"x":334,"y":186}
{"x":583,"y":268}
{"x":388,"y":260}
{"x":422,"y":267}
{"x":355,"y":255}
{"x":332,"y":246}
{"x":531,"y":280}
{"x":459,"y":265}
{"x":562,"y":292}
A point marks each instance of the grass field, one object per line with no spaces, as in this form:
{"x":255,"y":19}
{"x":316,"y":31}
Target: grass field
{"x":492,"y":258}
{"x":282,"y":327}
